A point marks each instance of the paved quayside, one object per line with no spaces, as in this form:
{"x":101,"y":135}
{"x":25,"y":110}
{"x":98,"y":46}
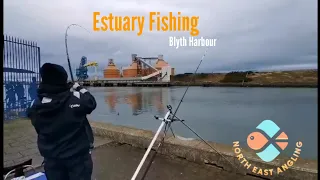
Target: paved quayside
{"x":118,"y":162}
{"x":111,"y":160}
{"x":114,"y":161}
{"x":115,"y":158}
{"x":196,"y":151}
{"x":19,"y":143}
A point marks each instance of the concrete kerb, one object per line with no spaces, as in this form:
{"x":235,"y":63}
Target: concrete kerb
{"x":196,"y":151}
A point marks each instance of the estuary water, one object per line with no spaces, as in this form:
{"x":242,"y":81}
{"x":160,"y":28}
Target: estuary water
{"x":218,"y":114}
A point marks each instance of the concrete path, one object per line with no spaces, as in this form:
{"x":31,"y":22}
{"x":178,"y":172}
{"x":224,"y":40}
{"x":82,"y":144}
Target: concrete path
{"x":112,"y":161}
{"x":118,"y":162}
{"x":20,"y":143}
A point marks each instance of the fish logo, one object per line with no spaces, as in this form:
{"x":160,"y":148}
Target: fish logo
{"x":266,"y":138}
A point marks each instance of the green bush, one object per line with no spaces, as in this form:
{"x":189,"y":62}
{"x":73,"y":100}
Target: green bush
{"x":236,"y":77}
{"x":190,"y":75}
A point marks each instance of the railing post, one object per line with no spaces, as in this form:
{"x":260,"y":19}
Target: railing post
{"x":39,"y":61}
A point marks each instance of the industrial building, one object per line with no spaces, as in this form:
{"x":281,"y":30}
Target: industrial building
{"x":141,"y":68}
{"x":111,"y":70}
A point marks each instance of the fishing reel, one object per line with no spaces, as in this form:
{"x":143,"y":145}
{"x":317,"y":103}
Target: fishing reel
{"x":169,"y":117}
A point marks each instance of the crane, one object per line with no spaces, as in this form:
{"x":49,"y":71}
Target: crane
{"x":82,"y":71}
{"x":95,"y":65}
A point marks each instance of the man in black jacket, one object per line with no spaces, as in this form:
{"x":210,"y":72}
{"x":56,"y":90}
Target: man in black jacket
{"x":58,"y":114}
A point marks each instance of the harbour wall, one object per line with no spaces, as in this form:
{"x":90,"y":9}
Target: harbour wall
{"x":196,"y":151}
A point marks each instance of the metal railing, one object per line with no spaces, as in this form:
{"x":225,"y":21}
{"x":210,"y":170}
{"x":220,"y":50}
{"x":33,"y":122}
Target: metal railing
{"x":21,"y":66}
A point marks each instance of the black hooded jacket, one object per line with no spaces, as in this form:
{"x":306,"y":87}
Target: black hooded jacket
{"x":59,"y":117}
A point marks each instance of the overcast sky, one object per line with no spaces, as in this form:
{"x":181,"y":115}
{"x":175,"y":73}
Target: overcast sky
{"x":251,"y":34}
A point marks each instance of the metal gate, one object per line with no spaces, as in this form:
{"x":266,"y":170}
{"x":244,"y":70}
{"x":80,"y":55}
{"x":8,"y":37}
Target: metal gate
{"x":21,"y":66}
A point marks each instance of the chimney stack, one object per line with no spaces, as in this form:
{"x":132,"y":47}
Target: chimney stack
{"x":111,"y":61}
{"x":133,"y":56}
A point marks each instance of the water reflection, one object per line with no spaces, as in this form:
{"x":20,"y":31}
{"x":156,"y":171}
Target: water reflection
{"x":111,"y":100}
{"x":140,"y":100}
{"x":217,"y":114}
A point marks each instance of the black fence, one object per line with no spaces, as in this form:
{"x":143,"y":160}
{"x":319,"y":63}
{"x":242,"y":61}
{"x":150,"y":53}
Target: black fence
{"x":21,"y":66}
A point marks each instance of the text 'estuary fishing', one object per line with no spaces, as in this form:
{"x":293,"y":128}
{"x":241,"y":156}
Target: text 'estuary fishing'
{"x":157,"y":22}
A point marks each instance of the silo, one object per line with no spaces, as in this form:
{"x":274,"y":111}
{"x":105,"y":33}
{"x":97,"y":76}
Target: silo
{"x":161,"y":63}
{"x":131,"y":71}
{"x":111,"y":70}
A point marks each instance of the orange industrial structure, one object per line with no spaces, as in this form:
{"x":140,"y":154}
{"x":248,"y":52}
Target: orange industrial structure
{"x":136,"y":69}
{"x":161,"y":63}
{"x":111,"y":71}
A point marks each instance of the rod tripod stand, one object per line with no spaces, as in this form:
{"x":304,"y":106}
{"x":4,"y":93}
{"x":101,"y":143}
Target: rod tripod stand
{"x":166,"y":121}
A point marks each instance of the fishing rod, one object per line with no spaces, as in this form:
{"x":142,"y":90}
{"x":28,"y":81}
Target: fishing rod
{"x":168,"y":119}
{"x":87,"y":125}
{"x":168,"y":122}
{"x":66,"y":44}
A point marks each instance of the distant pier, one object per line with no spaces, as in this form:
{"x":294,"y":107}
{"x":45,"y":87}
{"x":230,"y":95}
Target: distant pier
{"x":136,"y":82}
{"x":124,"y":83}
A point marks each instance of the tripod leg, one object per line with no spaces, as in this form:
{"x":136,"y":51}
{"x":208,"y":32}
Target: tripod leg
{"x":155,"y":153}
{"x":172,"y":131}
{"x":147,"y":152}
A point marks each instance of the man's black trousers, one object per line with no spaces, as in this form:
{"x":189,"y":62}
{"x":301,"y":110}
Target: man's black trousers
{"x":75,"y":168}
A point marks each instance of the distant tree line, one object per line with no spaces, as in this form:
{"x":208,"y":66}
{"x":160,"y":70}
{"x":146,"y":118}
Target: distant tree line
{"x":237,"y":77}
{"x":186,"y":75}
{"x":231,"y":77}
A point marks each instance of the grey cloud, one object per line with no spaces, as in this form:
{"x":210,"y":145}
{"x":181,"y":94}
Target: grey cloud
{"x":251,"y":34}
